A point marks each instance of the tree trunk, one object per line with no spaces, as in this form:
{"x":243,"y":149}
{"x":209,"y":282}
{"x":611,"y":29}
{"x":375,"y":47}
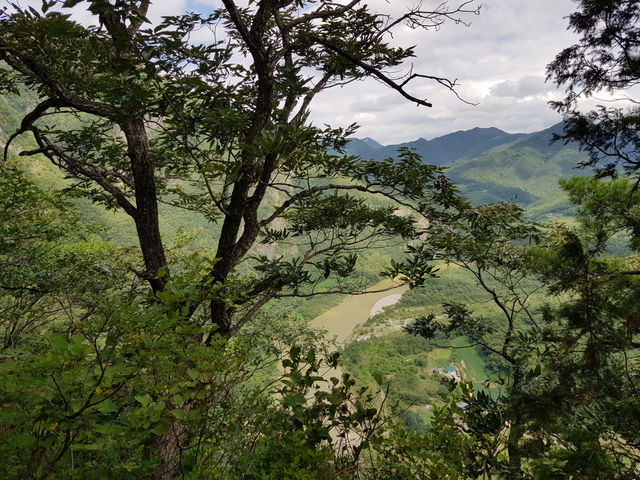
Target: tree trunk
{"x":516,"y":431}
{"x":146,"y":218}
{"x":169,"y":452}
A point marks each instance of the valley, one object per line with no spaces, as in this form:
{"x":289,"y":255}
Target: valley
{"x":206,"y":274}
{"x":341,"y":321}
{"x":487,"y":164}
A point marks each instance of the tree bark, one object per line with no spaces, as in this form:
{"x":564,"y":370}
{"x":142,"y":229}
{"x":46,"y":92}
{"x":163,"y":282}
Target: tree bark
{"x":146,"y":217}
{"x":169,"y":452}
{"x":516,"y":432}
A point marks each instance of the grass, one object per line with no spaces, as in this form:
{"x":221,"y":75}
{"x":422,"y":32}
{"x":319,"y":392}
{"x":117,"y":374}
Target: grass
{"x":395,"y":360}
{"x":474,"y":369}
{"x":439,"y":357}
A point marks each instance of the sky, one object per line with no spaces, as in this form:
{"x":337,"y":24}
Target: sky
{"x":498,"y":60}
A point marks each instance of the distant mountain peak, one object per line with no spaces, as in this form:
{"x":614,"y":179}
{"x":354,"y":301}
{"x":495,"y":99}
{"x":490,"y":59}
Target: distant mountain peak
{"x":448,"y":148}
{"x":371,"y":142}
{"x":490,"y":165}
{"x":443,"y":150}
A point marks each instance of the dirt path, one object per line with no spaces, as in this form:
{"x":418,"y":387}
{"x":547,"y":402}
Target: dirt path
{"x":384,"y":302}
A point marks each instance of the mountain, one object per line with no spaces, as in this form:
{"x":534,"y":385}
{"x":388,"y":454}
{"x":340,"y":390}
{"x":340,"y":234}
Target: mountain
{"x":371,"y":142}
{"x":364,"y":148}
{"x":439,"y":151}
{"x":490,"y":165}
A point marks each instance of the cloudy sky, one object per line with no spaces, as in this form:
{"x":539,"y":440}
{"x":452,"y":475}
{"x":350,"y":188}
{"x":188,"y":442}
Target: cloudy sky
{"x":499,"y":62}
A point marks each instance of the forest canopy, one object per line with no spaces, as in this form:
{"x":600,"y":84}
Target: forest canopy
{"x":167,"y":360}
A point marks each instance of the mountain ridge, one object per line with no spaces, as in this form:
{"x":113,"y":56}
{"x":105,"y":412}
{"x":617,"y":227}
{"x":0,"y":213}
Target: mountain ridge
{"x":446,"y":149}
{"x":491,"y":165}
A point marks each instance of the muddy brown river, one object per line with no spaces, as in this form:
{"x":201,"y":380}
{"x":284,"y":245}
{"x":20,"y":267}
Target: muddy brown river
{"x":341,"y":320}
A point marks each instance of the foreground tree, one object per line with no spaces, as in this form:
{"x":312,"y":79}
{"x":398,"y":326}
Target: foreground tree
{"x":588,"y":383}
{"x":225,"y":136}
{"x":571,"y":373}
{"x":594,"y":350}
{"x":605,"y":59}
{"x":138,"y":117}
{"x":568,"y":365}
{"x":492,"y":243}
{"x":572,"y":398}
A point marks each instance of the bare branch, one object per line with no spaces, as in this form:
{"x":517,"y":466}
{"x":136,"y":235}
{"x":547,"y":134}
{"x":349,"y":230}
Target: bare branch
{"x":321,"y":13}
{"x":372,"y":70}
{"x":312,"y":93}
{"x":309,"y":192}
{"x":31,"y":117}
{"x":418,"y":18}
{"x":333,"y":292}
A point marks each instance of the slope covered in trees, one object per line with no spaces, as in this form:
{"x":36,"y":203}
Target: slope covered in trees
{"x":489,"y":165}
{"x":138,"y":117}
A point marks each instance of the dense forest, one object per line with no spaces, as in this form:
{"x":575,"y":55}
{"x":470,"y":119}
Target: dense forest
{"x":171,"y":220}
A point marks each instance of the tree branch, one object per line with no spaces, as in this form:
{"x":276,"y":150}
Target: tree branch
{"x":98,"y":175}
{"x":372,"y":70}
{"x":321,"y":14}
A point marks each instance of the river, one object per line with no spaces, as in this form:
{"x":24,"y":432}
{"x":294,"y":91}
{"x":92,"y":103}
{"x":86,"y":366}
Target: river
{"x":341,"y":320}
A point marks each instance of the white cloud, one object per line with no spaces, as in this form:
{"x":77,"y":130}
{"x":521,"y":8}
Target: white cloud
{"x":529,"y":86}
{"x":499,"y":62}
{"x":365,"y":117}
{"x":164,"y":8}
{"x":371,"y":103}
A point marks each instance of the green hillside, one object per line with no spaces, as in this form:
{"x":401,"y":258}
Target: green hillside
{"x":520,"y":174}
{"x":490,"y":165}
{"x":522,"y":169}
{"x":176,"y":223}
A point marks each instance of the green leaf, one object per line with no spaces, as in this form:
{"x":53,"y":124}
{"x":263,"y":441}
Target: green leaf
{"x":293,"y":400}
{"x":144,"y":400}
{"x":193,"y":373}
{"x":58,"y":342}
{"x":179,"y":414}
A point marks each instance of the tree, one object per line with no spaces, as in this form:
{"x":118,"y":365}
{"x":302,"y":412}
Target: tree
{"x":492,"y":242}
{"x":230,"y":133}
{"x":571,"y":396}
{"x":604,"y":59}
{"x":34,"y":228}
{"x":140,"y":117}
{"x":569,"y":365}
{"x":465,"y":440}
{"x":590,"y":352}
{"x":590,"y":371}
